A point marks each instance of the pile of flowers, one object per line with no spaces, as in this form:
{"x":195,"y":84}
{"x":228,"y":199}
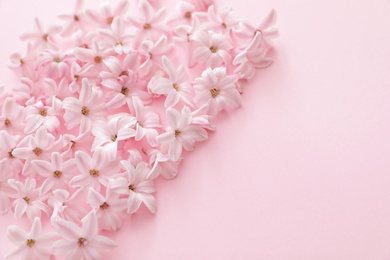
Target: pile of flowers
{"x":107,"y":103}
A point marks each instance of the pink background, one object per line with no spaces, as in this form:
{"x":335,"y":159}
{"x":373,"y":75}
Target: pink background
{"x":301,"y":171}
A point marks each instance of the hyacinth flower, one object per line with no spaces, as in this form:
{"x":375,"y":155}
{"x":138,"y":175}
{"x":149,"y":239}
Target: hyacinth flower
{"x":66,"y":205}
{"x":150,"y":25}
{"x":212,"y":49}
{"x":181,"y":133}
{"x":6,"y":191}
{"x":12,"y":116}
{"x":216,"y":90}
{"x":33,"y":245}
{"x":43,"y":37}
{"x":39,"y":115}
{"x":116,"y":38}
{"x":252,"y":58}
{"x":136,"y":186}
{"x":74,"y":21}
{"x":57,"y":173}
{"x":37,"y":147}
{"x":85,"y":110}
{"x":95,"y":171}
{"x":146,"y":121}
{"x":106,"y":15}
{"x":28,"y":200}
{"x":176,"y":86}
{"x":81,"y":242}
{"x":109,"y":134}
{"x":246,"y":31}
{"x":108,"y":209}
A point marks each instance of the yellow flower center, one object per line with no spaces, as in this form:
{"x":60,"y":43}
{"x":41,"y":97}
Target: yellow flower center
{"x":43,"y":112}
{"x":214,"y":92}
{"x":85,"y":111}
{"x":27,"y":200}
{"x":104,"y":206}
{"x":214,"y":49}
{"x":109,"y":20}
{"x":147,"y":26}
{"x":187,"y":15}
{"x":7,"y":122}
{"x":57,"y":174}
{"x":38,"y":151}
{"x":81,"y":241}
{"x":30,"y":242}
{"x":94,"y":173}
{"x":177,"y":132}
{"x":132,"y":187}
{"x":98,"y":59}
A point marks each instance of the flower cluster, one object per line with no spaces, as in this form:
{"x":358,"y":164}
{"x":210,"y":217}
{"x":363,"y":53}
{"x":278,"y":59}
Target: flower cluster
{"x":108,"y":102}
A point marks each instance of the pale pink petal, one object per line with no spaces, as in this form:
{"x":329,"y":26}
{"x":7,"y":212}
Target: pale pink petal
{"x":16,"y":235}
{"x":67,"y":229}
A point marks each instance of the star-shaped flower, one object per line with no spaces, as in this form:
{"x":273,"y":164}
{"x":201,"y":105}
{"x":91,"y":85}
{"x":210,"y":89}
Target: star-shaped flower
{"x":181,"y":133}
{"x":176,"y":87}
{"x":32,"y":245}
{"x":136,"y":186}
{"x":81,"y":242}
{"x":43,"y":37}
{"x":108,"y":208}
{"x":95,"y":171}
{"x":85,"y":110}
{"x":252,"y":58}
{"x":28,"y":199}
{"x":213,"y":49}
{"x":216,"y":90}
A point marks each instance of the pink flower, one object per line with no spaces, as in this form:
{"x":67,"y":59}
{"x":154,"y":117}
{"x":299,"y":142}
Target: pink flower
{"x":162,"y":165}
{"x":54,"y":63}
{"x":86,"y":110}
{"x":43,"y":37}
{"x":147,"y":121}
{"x":150,"y":24}
{"x":56,"y":173}
{"x":94,"y":57}
{"x":108,"y":209}
{"x":72,"y":143}
{"x":6,"y":191}
{"x":223,"y":20}
{"x":95,"y":171}
{"x":121,"y":91}
{"x":216,"y":90}
{"x":109,"y":134}
{"x":76,"y":74}
{"x":24,"y":65}
{"x":66,"y":206}
{"x":32,"y":245}
{"x":27,"y":91}
{"x":106,"y":15}
{"x":137,"y":186}
{"x":202,"y":5}
{"x":183,"y":35}
{"x":153,"y":53}
{"x":37,"y":147}
{"x":176,"y":87}
{"x":246,"y":31}
{"x":116,"y":38}
{"x":118,"y":69}
{"x":7,"y":144}
{"x":12,"y":117}
{"x":181,"y":133}
{"x":28,"y":199}
{"x":184,"y":15}
{"x":60,"y":91}
{"x":75,"y":21}
{"x":81,"y":243}
{"x":213,"y":49}
{"x":39,"y":115}
{"x":251,"y":58}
